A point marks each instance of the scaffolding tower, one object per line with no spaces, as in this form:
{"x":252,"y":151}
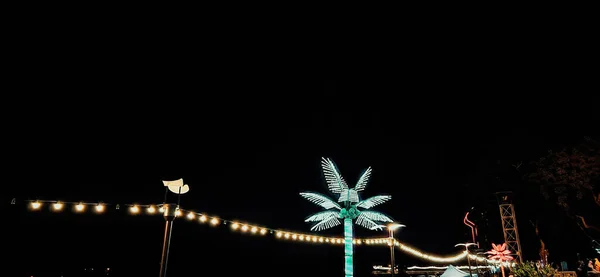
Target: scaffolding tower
{"x":509,"y":223}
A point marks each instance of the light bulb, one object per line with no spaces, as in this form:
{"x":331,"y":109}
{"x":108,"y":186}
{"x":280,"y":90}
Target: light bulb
{"x":57,"y":206}
{"x":79,"y":207}
{"x":36,"y":205}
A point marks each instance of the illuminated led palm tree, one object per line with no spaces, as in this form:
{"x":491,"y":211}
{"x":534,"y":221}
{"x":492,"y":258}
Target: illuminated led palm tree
{"x":500,"y":253}
{"x":348,"y":210}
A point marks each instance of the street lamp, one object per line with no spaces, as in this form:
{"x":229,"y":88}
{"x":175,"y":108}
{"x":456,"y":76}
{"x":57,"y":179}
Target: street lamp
{"x":392,"y":227}
{"x":170,"y":212}
{"x":466,"y":245}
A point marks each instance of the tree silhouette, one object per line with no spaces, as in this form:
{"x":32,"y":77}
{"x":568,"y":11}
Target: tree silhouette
{"x":570,"y":173}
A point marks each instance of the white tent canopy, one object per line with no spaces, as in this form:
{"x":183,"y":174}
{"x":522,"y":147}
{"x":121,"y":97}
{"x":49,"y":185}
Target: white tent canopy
{"x":452,"y":271}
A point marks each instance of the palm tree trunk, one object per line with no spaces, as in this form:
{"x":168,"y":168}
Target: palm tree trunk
{"x":348,"y":245}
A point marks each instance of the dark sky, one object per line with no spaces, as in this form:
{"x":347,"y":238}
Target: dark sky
{"x":247,"y":147}
{"x":93,"y":115}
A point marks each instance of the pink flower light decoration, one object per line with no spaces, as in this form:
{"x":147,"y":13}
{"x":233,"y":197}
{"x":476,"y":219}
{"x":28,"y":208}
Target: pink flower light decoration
{"x":499,"y":252}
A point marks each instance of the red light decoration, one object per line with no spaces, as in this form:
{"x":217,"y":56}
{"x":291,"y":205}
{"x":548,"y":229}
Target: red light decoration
{"x":500,"y":253}
{"x":471,"y":225}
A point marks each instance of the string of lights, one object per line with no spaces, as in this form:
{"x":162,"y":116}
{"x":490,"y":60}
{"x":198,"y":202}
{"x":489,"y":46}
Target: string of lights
{"x":254,"y":229}
{"x":444,"y":267}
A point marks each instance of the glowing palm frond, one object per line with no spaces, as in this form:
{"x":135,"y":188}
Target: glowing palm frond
{"x":367,"y":223}
{"x":499,"y":252}
{"x":320,"y":200}
{"x":375,"y":216}
{"x":327,"y":223}
{"x":348,"y":195}
{"x":363,"y":180}
{"x":373,"y":201}
{"x":321,"y":216}
{"x":335,"y":181}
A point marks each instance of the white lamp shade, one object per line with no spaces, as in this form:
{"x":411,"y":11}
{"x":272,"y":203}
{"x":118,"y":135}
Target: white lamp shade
{"x":174,"y":183}
{"x":179,"y":189}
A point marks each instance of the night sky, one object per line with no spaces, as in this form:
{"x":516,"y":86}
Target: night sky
{"x":248,"y":134}
{"x":247,"y":158}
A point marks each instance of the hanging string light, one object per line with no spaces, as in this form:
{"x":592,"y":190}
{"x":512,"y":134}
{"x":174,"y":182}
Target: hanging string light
{"x":80,"y":207}
{"x":99,"y":207}
{"x":246,"y":228}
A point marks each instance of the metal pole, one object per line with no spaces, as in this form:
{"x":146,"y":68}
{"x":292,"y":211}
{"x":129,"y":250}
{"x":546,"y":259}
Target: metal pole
{"x":469,"y":262}
{"x":466,"y":245}
{"x":392,"y":260}
{"x":169,"y":216}
{"x":477,"y":265}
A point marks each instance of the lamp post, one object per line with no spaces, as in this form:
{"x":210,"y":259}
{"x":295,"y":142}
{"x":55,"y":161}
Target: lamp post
{"x":391,"y":228}
{"x":170,"y":212}
{"x":466,"y":245}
